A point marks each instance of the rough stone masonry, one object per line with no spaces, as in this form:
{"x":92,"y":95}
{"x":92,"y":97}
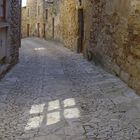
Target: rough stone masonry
{"x":115,"y":38}
{"x":10,"y":34}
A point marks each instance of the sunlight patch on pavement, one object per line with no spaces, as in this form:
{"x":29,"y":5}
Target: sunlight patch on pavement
{"x":52,"y":115}
{"x":53,"y":105}
{"x":53,"y":118}
{"x":69,"y":102}
{"x":34,"y":122}
{"x":37,"y":109}
{"x":71,"y":113}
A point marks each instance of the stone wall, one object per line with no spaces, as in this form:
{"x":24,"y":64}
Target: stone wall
{"x":69,"y":24}
{"x":88,"y":11}
{"x":12,"y":28}
{"x":41,"y":18}
{"x":115,"y":38}
{"x":24,"y":22}
{"x":49,"y":22}
{"x":14,"y":20}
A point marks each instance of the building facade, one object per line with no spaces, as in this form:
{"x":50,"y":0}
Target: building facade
{"x":10,"y":13}
{"x":34,"y":18}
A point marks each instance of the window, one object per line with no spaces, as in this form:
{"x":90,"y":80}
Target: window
{"x":2,"y":9}
{"x":46,"y":14}
{"x":28,"y":12}
{"x":38,"y":10}
{"x":80,"y":1}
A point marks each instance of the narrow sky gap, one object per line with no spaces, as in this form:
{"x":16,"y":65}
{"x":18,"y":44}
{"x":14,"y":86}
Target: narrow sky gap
{"x":24,"y":3}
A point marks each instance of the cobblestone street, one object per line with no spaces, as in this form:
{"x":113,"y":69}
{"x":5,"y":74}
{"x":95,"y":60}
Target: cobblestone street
{"x":55,"y":94}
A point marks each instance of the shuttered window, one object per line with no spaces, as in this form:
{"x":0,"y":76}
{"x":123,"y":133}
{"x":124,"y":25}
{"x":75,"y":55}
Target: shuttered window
{"x":46,"y":14}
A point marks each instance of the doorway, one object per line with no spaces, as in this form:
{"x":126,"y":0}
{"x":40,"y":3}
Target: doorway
{"x":38,"y":29}
{"x":53,"y":27}
{"x":44,"y":30}
{"x":80,"y":30}
{"x":28,"y":30}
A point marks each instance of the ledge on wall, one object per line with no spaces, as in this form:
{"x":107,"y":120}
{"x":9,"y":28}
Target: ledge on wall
{"x":4,"y":24}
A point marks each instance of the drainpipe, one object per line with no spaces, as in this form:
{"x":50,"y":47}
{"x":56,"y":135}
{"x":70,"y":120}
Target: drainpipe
{"x":53,"y":27}
{"x":80,"y":21}
{"x":20,"y":4}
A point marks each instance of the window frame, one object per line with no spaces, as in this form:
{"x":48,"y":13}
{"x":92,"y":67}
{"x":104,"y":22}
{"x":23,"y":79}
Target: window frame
{"x":4,"y":11}
{"x":46,"y":14}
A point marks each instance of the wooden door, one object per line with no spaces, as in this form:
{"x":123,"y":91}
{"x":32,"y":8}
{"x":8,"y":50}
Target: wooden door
{"x":28,"y":30}
{"x":80,"y":30}
{"x":38,"y":29}
{"x":44,"y":30}
{"x":53,"y":27}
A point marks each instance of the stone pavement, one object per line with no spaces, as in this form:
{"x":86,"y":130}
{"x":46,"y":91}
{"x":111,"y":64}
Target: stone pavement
{"x":55,"y":94}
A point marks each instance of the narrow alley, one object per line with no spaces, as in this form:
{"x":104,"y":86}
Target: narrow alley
{"x":55,"y":94}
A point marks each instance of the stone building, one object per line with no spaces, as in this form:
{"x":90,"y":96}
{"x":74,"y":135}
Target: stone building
{"x":9,"y":33}
{"x":107,"y":32}
{"x":34,"y":18}
{"x":29,"y":18}
{"x":69,"y":22}
{"x":63,"y":24}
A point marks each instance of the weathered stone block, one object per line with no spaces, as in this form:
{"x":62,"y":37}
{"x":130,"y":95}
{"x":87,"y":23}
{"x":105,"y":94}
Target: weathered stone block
{"x":125,"y":76}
